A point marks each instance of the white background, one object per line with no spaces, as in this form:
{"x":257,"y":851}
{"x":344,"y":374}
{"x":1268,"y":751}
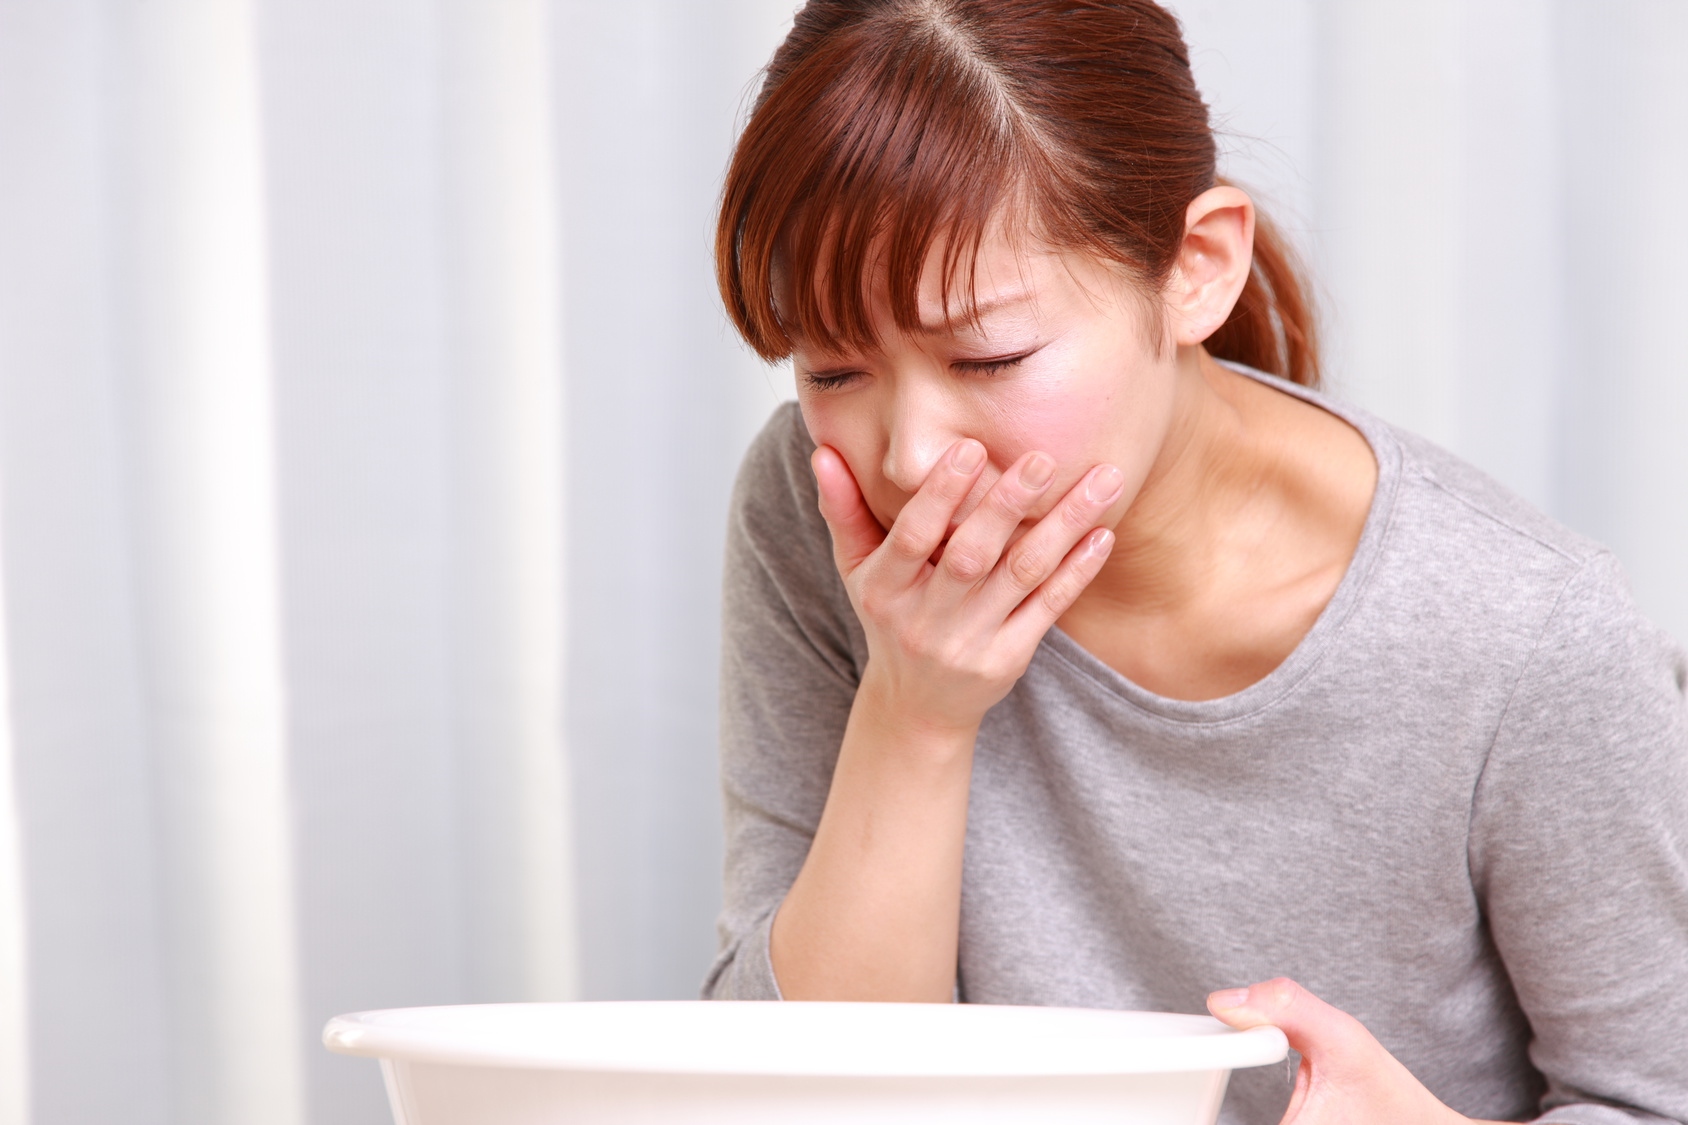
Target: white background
{"x":366,"y":421}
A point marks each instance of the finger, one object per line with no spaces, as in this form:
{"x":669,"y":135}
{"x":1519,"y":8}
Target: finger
{"x":1346,"y":1074}
{"x":1027,"y":624}
{"x":925,"y":519}
{"x":1233,"y":1006}
{"x":855,"y":533}
{"x":1324,"y":1035}
{"x":976,"y":545}
{"x":1032,"y":561}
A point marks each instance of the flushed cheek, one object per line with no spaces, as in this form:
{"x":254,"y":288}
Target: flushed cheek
{"x":1069,"y":424}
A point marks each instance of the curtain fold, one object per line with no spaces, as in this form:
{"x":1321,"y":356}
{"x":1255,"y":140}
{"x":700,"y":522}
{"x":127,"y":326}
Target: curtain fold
{"x":191,"y":275}
{"x":14,"y":958}
{"x":367,"y":420}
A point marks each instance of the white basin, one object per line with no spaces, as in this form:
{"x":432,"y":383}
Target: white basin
{"x":722,"y":1063}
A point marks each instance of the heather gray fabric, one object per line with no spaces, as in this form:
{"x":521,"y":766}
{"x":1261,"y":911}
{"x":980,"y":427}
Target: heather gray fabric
{"x":1459,"y":810}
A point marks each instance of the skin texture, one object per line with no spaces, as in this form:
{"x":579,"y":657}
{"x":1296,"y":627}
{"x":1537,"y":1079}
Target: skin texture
{"x":1074,"y":457}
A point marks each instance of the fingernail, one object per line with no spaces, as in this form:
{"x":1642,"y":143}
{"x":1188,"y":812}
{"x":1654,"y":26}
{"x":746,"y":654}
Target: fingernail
{"x":967,"y":457}
{"x":1037,"y":471}
{"x":1227,"y":999}
{"x":1100,"y":540}
{"x":1104,"y":484}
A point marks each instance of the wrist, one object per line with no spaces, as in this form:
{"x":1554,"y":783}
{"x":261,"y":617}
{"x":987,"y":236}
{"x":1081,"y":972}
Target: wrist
{"x":891,"y":715}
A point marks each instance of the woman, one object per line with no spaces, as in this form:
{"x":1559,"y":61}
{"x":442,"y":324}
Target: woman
{"x":1079,"y":652}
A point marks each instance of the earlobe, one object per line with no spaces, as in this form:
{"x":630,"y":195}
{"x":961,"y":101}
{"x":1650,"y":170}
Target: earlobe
{"x":1213,"y":264}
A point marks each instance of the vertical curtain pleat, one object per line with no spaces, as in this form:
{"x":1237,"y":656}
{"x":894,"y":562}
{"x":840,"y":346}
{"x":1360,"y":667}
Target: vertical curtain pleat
{"x":192,"y":329}
{"x":14,"y":947}
{"x":662,"y":400}
{"x":351,"y":99}
{"x":502,"y":264}
{"x":99,"y":1041}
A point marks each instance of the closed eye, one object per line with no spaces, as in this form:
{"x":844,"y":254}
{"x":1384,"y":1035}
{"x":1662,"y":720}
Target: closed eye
{"x":992,"y":366}
{"x":840,"y":377}
{"x":828,"y":380}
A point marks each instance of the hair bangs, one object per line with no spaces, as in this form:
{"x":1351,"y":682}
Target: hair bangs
{"x":852,"y":172}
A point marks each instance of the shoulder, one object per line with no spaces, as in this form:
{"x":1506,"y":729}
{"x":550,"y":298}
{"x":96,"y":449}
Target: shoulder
{"x":1492,"y":553}
{"x":1469,"y":501}
{"x":1439,"y":512}
{"x":780,"y":577}
{"x":1458,"y":550}
{"x":774,"y":513}
{"x":1588,"y":667}
{"x":1601,"y":676}
{"x":775,"y":471}
{"x":1486,"y":588}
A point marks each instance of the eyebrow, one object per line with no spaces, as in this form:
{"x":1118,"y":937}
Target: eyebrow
{"x":980,"y":311}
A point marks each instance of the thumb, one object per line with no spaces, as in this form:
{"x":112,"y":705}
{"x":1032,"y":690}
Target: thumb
{"x":855,"y":533}
{"x":1326,"y":1036}
{"x":1346,"y":1074}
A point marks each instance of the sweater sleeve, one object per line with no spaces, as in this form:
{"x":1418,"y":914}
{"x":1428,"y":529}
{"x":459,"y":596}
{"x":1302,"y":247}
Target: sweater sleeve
{"x":791,"y":653}
{"x":1579,"y":851}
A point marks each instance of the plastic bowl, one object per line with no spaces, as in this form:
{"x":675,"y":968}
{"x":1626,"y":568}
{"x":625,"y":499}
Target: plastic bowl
{"x":723,"y":1063}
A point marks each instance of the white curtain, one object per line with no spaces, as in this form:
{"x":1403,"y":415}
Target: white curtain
{"x":366,"y":420}
{"x":365,"y":426}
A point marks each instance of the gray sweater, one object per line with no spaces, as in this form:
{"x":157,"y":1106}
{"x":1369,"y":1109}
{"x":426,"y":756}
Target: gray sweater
{"x":1458,"y":810}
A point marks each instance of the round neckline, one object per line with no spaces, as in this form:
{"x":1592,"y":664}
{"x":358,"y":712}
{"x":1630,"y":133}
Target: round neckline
{"x":1301,"y":661}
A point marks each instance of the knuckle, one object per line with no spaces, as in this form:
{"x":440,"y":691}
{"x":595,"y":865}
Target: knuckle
{"x":1026,"y":569}
{"x":1076,"y":517}
{"x":1061,"y":591}
{"x":1281,"y":992}
{"x":1006,"y":504}
{"x":905,"y":543}
{"x":873,"y":606}
{"x":928,"y":649}
{"x":1055,"y":597}
{"x":965,"y":563}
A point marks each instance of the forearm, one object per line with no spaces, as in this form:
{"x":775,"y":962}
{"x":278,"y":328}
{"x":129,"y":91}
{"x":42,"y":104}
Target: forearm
{"x":874,"y":913}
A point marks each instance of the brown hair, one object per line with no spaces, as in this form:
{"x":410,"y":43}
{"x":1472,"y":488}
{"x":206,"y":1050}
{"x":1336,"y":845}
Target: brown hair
{"x":886,"y":127}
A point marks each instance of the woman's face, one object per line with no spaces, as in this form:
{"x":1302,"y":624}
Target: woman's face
{"x":1062,"y":361}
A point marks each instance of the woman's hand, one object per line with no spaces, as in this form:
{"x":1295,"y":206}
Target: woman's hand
{"x":947,"y":640}
{"x":1346,"y":1075}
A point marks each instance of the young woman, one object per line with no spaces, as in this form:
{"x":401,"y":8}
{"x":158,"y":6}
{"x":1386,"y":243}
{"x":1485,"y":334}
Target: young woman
{"x":1079,"y":652}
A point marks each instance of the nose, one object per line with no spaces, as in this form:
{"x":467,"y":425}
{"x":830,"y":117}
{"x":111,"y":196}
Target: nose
{"x":919,"y":431}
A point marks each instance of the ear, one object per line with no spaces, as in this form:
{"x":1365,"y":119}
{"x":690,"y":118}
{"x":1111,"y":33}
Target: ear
{"x":1212,"y":265}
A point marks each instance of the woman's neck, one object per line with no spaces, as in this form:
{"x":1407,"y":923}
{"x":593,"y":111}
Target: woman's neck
{"x":1239,"y":537}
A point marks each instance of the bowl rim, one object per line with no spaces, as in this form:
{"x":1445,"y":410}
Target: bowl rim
{"x":431,"y":1035}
